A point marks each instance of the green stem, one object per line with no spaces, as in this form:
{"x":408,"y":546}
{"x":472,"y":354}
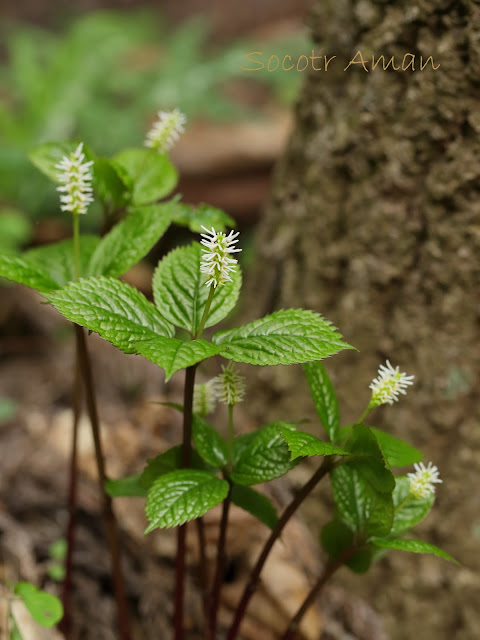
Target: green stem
{"x":182,"y":530}
{"x":76,"y":244}
{"x":330,"y":569}
{"x":230,"y":437}
{"x":206,"y":311}
{"x":365,"y":414}
{"x":251,"y":586}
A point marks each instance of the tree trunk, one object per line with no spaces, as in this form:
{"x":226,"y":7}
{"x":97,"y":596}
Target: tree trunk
{"x":374,"y":222}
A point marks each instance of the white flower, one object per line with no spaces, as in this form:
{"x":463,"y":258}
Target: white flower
{"x":204,"y":398}
{"x":216,"y":261}
{"x":230,"y":385}
{"x":423,"y":480}
{"x":166,"y":130}
{"x":75,"y":177}
{"x":389,"y":383}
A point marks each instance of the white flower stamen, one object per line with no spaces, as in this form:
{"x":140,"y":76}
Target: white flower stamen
{"x":204,"y":398}
{"x":75,"y":177}
{"x":216,"y":260}
{"x":230,"y":386}
{"x":166,"y":130}
{"x":423,"y":480}
{"x":389,"y":383}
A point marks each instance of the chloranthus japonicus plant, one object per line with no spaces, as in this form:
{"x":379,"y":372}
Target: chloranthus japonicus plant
{"x":194,"y":288}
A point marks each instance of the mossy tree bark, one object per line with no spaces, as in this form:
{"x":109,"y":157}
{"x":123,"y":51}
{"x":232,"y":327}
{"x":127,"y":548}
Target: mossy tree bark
{"x":375,"y":222}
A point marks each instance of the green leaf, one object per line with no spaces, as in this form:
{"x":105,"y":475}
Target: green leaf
{"x":203,"y":215}
{"x":173,"y":354}
{"x":180,"y":293}
{"x":285,"y":337}
{"x":24,"y":272}
{"x":265,"y":457}
{"x":240,"y":443}
{"x":256,"y":504}
{"x":409,"y":510}
{"x":359,"y":505}
{"x":150,"y":175}
{"x":127,"y":487}
{"x":183,"y":495}
{"x":58,"y":549}
{"x":46,"y":156}
{"x":44,"y":608}
{"x":209,"y":443}
{"x":324,"y":397}
{"x":130,"y":240}
{"x":368,"y":459}
{"x":397,"y":452}
{"x":166,"y":462}
{"x":113,"y":309}
{"x":58,"y":259}
{"x":336,"y":537}
{"x":301,"y":443}
{"x":108,"y":185}
{"x":361,"y":561}
{"x":416,"y":546}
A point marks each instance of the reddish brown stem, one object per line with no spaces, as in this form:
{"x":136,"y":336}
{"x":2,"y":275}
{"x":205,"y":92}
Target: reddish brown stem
{"x":66,"y":622}
{"x":253,"y":580}
{"x":182,"y":530}
{"x":330,"y":569}
{"x":107,"y":508}
{"x":221,"y":556}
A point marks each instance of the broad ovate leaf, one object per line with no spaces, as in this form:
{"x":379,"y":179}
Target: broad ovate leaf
{"x":255,"y":503}
{"x":301,"y":443}
{"x":180,"y":496}
{"x":130,"y":240}
{"x":180,"y":292}
{"x":324,"y":397}
{"x":359,"y":505}
{"x":284,"y":337}
{"x":113,"y":309}
{"x":44,"y":608}
{"x":58,"y":259}
{"x":173,"y":354}
{"x":265,"y":456}
{"x":25,"y":272}
{"x":209,"y":443}
{"x":149,"y":175}
{"x":409,"y":510}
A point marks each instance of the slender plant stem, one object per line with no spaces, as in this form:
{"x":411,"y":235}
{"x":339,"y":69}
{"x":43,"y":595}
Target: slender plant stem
{"x":252,"y":583}
{"x":65,"y":624}
{"x":107,"y":509}
{"x":206,"y":311}
{"x":76,"y":244}
{"x":230,"y":437}
{"x":182,"y":530}
{"x":221,"y":557}
{"x":330,"y":569}
{"x":202,"y":573}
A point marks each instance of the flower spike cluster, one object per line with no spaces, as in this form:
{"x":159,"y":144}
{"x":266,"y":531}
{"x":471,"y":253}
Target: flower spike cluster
{"x":423,"y":480}
{"x":389,"y":383}
{"x":216,"y":261}
{"x":166,"y":130}
{"x":204,"y":398}
{"x":75,"y":177}
{"x":230,"y":386}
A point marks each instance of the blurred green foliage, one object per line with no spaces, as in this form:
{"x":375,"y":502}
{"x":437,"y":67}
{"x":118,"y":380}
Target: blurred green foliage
{"x":103,"y":78}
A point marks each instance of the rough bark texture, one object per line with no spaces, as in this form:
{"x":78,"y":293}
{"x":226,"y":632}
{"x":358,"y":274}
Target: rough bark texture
{"x":374,"y":222}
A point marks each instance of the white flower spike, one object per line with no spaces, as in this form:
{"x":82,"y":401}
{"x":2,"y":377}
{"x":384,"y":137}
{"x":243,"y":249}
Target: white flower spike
{"x":423,"y":480}
{"x":230,"y":386}
{"x":204,"y":398}
{"x":166,"y":130}
{"x":216,"y":261}
{"x":389,"y":383}
{"x":75,"y":177}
